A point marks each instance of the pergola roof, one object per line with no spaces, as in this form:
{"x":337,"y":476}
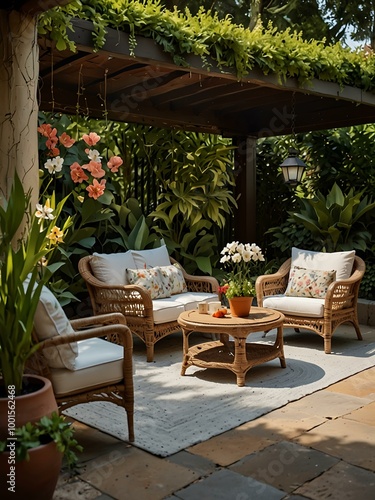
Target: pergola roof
{"x":149,"y":88}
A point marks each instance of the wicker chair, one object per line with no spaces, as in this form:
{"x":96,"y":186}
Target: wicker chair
{"x":135,"y":303}
{"x":113,"y":328}
{"x":339,"y":305}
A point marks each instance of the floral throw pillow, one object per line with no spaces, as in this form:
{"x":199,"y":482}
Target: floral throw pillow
{"x":173,"y":279}
{"x":151,"y":279}
{"x":309,"y":282}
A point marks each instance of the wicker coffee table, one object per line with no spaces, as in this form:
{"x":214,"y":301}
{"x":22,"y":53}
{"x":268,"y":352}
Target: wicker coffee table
{"x":238,"y":355}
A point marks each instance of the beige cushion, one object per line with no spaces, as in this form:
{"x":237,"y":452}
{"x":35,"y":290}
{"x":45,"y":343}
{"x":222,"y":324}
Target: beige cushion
{"x":296,"y":306}
{"x":190,"y":300}
{"x":98,"y":363}
{"x":166,"y":310}
{"x":173,"y":279}
{"x":50,"y":320}
{"x":151,"y":257}
{"x":341,"y":262}
{"x":110,"y":268}
{"x":169,"y":309}
{"x":309,"y":282}
{"x":151,"y":279}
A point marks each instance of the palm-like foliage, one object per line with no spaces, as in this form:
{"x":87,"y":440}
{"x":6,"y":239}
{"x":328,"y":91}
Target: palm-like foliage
{"x":337,"y":220}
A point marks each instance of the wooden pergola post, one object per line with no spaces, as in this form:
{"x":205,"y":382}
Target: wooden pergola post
{"x":19,"y":74}
{"x":245,"y":165}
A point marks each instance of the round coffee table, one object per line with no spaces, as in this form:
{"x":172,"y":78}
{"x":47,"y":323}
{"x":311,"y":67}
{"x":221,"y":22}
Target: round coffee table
{"x":238,"y":355}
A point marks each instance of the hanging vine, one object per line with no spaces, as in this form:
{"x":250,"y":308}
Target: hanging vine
{"x":214,"y":40}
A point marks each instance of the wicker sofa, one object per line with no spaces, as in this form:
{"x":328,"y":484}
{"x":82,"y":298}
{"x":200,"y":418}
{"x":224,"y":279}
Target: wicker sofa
{"x":114,"y":285}
{"x":337,"y":303}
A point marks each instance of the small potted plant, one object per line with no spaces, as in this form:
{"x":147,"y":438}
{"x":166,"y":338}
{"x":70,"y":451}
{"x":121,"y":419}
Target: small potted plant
{"x":240,"y":260}
{"x":44,"y":444}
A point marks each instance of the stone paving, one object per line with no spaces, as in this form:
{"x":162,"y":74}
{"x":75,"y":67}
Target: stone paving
{"x":319,"y":447}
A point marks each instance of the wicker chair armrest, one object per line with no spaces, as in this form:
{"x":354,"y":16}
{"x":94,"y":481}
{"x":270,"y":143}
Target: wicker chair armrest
{"x":125,"y":289}
{"x":100,"y":320}
{"x":118,"y":330}
{"x":207,"y":284}
{"x":126,"y":292}
{"x":272,"y":284}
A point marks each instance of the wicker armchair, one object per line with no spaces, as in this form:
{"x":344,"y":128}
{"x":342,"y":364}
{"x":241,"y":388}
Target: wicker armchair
{"x":135,"y":303}
{"x":119,"y":390}
{"x":339,"y":304}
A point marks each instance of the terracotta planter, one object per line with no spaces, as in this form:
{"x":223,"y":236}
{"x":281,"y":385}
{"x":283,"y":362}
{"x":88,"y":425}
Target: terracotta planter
{"x":240,"y":306}
{"x":35,"y":478}
{"x":29,"y":407}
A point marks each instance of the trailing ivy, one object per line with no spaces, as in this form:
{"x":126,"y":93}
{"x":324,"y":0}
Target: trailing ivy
{"x":216,"y":41}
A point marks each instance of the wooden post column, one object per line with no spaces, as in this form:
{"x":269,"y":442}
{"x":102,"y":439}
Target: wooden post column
{"x":245,"y":190}
{"x":19,"y":108}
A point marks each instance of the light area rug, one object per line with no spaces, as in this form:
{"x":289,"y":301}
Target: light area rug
{"x":174,"y":412}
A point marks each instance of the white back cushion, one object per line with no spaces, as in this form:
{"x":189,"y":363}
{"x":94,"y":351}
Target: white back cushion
{"x":111,"y":267}
{"x":151,"y":258}
{"x":341,"y":262}
{"x":50,"y":320}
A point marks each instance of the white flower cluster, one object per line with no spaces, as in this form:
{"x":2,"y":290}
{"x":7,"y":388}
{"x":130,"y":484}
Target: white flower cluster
{"x":237,"y":252}
{"x":54,"y":165}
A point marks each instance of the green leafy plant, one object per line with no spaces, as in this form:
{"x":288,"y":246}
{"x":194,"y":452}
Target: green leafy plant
{"x":47,"y":429}
{"x":337,"y":220}
{"x":196,"y":200}
{"x":23,"y":272}
{"x":367,"y":287}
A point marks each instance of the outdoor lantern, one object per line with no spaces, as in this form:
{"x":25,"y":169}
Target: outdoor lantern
{"x":293,"y":168}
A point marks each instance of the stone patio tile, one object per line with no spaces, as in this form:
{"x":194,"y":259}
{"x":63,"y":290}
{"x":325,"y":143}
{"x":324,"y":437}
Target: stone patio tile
{"x":199,"y":464}
{"x":341,"y":482}
{"x":233,"y":445}
{"x":365,"y":415}
{"x":352,"y":441}
{"x":94,"y":442}
{"x":283,"y":423}
{"x":226,"y":484}
{"x":361,"y":385}
{"x":71,"y":488}
{"x":284,"y":465}
{"x":135,"y":474}
{"x":328,"y":404}
{"x":287,"y":422}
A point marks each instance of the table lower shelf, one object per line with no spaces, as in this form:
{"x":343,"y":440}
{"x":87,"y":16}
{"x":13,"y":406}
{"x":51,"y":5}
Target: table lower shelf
{"x":218,"y":355}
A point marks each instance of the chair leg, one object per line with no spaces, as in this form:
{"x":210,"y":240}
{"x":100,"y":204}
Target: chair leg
{"x":150,"y":352}
{"x":327,"y":344}
{"x":357,"y":329}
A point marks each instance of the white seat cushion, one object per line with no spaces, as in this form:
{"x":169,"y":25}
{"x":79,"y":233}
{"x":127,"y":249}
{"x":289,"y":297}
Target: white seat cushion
{"x":166,"y":310}
{"x":341,"y":262}
{"x":98,"y":363}
{"x":190,"y":300}
{"x":297,"y":306}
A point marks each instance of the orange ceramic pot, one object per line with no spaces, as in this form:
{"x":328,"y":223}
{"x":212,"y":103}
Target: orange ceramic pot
{"x":240,"y":306}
